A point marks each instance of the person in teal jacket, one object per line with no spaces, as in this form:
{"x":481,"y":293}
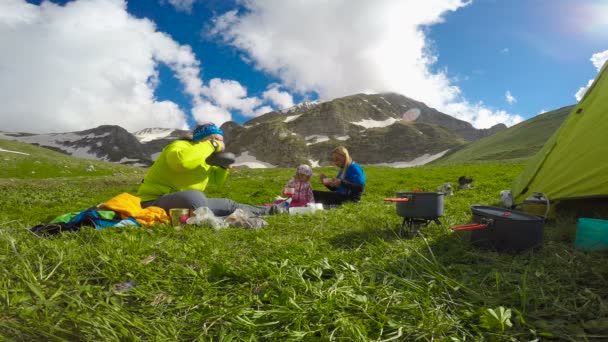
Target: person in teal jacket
{"x":347,"y":186}
{"x":180,"y":174}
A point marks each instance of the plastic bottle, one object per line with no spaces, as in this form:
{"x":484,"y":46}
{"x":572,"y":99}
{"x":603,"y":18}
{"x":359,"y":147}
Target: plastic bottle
{"x":287,"y":203}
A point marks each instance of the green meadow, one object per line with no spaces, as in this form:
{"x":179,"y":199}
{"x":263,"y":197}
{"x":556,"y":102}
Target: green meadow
{"x":348,"y":274}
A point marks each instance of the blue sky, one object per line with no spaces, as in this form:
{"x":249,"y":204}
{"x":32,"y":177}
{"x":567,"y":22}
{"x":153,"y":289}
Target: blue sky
{"x":75,"y":65}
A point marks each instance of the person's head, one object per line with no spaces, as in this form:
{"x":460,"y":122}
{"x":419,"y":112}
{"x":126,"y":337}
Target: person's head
{"x":340,"y":157}
{"x":207,"y":131}
{"x":303,"y":173}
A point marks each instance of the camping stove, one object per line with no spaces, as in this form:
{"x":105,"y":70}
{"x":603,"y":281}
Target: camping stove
{"x":411,"y":226}
{"x":418,"y":209}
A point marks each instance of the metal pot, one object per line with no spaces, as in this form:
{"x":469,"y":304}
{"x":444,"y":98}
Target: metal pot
{"x":503,"y":229}
{"x":423,"y":205}
{"x":223,"y":159}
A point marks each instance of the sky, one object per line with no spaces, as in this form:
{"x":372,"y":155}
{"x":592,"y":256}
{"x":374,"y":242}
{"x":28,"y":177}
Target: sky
{"x":73,"y":65}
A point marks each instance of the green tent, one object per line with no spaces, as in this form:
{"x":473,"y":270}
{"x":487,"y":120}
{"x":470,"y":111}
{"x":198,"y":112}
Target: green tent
{"x":573,"y":163}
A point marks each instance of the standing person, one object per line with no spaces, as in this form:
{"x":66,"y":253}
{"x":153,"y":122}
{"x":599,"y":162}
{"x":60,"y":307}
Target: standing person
{"x":180,"y":174}
{"x":348,"y":184}
{"x":300,"y":183}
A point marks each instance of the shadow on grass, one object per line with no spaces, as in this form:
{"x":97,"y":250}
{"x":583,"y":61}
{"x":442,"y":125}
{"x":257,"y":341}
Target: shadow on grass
{"x":387,"y":233}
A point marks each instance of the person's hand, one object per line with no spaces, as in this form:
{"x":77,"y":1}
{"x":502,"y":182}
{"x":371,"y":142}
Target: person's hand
{"x":220,"y":145}
{"x":335,"y":182}
{"x":331,"y":182}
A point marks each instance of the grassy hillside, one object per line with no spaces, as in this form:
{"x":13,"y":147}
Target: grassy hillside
{"x":26,"y":161}
{"x":343,"y":274}
{"x":520,"y":141}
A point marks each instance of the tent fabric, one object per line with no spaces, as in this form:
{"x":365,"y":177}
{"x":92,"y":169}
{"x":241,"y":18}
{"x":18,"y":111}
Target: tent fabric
{"x":573,"y":163}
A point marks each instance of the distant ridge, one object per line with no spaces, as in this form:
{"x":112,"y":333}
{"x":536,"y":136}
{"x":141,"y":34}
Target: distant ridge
{"x":520,"y":141}
{"x":377,"y":129}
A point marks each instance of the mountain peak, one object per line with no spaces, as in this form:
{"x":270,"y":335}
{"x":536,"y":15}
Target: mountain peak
{"x":149,"y":134}
{"x":302,"y":105}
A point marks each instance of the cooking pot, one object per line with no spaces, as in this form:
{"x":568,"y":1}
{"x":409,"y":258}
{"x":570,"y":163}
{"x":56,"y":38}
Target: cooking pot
{"x":503,"y":229}
{"x":424,"y":205}
{"x":223,"y":159}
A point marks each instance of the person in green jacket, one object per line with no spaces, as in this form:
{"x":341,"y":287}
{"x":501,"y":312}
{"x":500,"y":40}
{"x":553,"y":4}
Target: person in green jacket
{"x":180,"y":174}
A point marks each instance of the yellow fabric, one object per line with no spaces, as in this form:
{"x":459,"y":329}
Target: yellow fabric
{"x":128,"y":205}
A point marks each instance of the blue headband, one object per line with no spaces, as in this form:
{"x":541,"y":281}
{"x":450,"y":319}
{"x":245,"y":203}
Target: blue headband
{"x":201,"y":132}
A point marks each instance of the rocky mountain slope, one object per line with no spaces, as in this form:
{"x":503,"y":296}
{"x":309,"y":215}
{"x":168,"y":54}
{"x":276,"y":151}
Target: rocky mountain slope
{"x":382,"y":128}
{"x":108,"y":143}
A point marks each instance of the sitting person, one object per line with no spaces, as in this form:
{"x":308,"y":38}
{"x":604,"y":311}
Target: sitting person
{"x":348,"y":184}
{"x":300,"y":188}
{"x":180,"y":174}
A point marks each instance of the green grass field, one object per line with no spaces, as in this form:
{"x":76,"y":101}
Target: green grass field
{"x":344,"y":274}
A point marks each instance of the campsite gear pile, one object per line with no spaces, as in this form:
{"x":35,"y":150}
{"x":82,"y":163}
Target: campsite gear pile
{"x":418,"y":209}
{"x":125,"y":210}
{"x":91,"y":217}
{"x":503,"y":229}
{"x":121,"y":210}
{"x":239,"y":218}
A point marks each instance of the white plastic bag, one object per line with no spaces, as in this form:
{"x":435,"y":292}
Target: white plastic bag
{"x":506,"y":198}
{"x":241,"y":218}
{"x":204,"y":215}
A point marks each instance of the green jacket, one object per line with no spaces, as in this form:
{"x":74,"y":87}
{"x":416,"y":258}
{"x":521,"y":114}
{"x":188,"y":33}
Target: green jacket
{"x":181,"y":166}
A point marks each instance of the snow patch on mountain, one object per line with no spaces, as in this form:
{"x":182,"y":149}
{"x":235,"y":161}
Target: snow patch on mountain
{"x":375,"y":123}
{"x":423,"y":159}
{"x":385,"y":100}
{"x":301,"y":105}
{"x":244,"y":159}
{"x":3,"y":150}
{"x":291,"y":118}
{"x":150,"y":134}
{"x":316,"y":138}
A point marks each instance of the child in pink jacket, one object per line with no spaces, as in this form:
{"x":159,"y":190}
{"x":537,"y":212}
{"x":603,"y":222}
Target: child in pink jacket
{"x":302,"y":190}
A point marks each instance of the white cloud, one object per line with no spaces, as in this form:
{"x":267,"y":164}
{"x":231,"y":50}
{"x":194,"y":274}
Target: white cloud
{"x":281,"y":99}
{"x":510,"y":98}
{"x":208,"y":112}
{"x":181,"y":5}
{"x":351,"y":47}
{"x":598,"y":60}
{"x":505,"y":50}
{"x":70,"y":69}
{"x":89,"y":63}
{"x":231,"y":94}
{"x":581,"y":91}
{"x":262,"y":110}
{"x":481,"y":116}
